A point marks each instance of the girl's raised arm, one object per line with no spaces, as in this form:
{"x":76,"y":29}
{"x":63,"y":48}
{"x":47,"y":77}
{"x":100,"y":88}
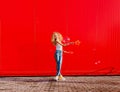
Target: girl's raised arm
{"x":65,"y":44}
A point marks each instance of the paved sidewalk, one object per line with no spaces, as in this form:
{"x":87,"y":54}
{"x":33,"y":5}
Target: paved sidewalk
{"x":72,"y":84}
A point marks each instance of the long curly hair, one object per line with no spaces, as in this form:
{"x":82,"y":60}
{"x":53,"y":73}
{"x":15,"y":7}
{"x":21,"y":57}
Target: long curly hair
{"x":59,"y":37}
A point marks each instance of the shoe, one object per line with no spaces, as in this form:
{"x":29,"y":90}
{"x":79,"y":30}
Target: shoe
{"x":61,"y":78}
{"x":56,"y":78}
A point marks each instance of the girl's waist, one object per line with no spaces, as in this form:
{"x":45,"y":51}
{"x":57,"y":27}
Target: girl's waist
{"x":59,"y":50}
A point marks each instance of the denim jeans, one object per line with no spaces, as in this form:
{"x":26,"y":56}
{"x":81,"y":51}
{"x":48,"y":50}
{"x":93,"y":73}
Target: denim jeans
{"x":58,"y":58}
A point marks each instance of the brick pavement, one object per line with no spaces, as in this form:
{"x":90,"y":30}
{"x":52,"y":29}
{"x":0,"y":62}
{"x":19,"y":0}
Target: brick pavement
{"x":72,"y":84}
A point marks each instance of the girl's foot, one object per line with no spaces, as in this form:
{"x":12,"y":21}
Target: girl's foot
{"x":61,"y":78}
{"x":56,"y":78}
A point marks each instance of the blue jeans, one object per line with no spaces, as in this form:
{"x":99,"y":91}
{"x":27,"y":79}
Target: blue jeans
{"x":58,"y":58}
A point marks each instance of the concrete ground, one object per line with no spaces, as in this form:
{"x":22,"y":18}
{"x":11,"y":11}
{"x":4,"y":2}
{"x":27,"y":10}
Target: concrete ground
{"x":72,"y":84}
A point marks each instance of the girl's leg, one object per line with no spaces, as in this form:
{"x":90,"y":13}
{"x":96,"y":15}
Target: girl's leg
{"x":58,"y":57}
{"x":59,"y":65}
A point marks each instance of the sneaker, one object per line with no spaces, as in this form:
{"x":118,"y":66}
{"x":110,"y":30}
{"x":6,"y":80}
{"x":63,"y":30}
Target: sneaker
{"x":56,"y":78}
{"x":61,"y":78}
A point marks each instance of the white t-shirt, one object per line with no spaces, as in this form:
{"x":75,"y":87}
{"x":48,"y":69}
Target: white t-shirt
{"x":58,"y":47}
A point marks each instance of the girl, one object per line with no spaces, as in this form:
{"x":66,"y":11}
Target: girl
{"x":57,"y":41}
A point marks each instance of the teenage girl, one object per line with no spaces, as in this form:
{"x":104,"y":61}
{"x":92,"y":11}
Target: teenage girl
{"x":57,"y":41}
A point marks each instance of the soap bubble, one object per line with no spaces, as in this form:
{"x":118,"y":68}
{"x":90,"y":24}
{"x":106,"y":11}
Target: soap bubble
{"x":97,"y":62}
{"x":66,"y":39}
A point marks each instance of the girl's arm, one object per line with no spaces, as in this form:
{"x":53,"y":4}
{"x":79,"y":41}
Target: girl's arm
{"x":66,"y":44}
{"x":71,"y":43}
{"x":68,"y":52}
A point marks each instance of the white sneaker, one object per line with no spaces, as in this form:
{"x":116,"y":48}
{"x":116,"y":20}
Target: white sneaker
{"x":61,"y":78}
{"x":56,"y":78}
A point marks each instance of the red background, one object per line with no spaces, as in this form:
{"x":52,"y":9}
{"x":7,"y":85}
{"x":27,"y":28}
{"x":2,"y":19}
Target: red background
{"x":25,"y":33}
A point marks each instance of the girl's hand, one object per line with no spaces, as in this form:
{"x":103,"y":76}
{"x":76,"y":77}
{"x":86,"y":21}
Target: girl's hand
{"x":71,"y":43}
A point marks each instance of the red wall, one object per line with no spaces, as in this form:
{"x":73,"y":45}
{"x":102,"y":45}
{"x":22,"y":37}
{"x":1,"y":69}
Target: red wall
{"x":25,"y":32}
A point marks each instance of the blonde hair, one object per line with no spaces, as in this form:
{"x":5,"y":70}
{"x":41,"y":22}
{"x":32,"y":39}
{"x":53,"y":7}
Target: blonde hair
{"x":59,"y":37}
